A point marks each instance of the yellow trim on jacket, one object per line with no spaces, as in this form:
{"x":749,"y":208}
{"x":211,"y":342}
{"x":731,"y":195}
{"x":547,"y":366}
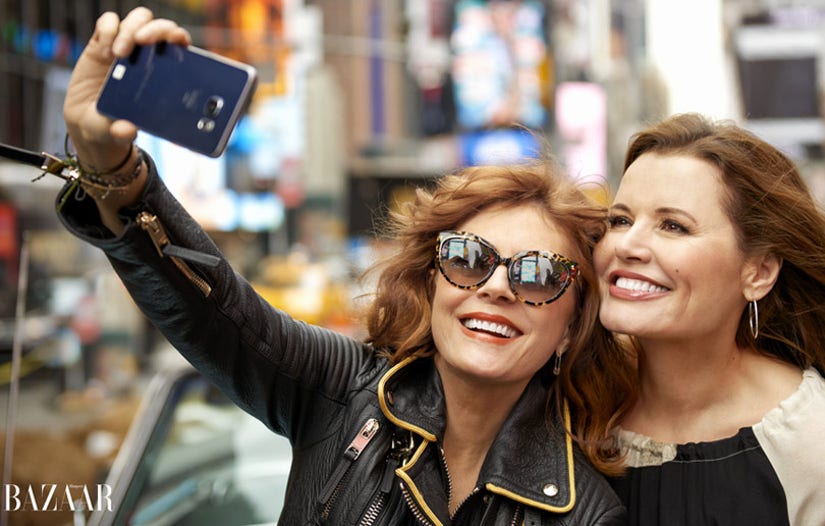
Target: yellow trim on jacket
{"x":492,"y":488}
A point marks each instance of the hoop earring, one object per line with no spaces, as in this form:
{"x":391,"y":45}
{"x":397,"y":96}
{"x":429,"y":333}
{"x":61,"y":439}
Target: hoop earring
{"x":753,"y":318}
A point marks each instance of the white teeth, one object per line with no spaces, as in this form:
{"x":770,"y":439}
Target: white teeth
{"x":489,"y":326}
{"x":638,"y":285}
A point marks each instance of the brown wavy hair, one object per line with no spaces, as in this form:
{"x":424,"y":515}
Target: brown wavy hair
{"x":594,"y":369}
{"x":773,"y":212}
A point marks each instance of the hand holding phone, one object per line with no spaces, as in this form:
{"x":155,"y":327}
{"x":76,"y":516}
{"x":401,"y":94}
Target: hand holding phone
{"x":187,"y":95}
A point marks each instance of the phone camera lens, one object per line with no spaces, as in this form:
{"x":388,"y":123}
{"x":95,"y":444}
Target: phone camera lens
{"x":214,"y":104}
{"x":206,"y":125}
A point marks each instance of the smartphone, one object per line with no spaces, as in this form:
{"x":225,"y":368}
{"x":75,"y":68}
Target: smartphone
{"x":183,"y":94}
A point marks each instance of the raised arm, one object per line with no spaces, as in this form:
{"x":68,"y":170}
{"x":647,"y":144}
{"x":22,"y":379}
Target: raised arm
{"x":102,"y":145}
{"x":288,"y":374}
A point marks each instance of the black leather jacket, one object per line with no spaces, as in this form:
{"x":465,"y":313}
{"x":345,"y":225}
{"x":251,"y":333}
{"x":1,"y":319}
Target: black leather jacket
{"x":365,"y":435}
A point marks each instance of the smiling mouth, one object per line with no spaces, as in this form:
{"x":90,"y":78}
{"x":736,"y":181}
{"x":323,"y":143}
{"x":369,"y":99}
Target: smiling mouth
{"x":489,"y":327}
{"x":638,"y":285}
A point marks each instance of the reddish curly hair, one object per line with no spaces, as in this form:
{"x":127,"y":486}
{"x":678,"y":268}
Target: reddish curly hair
{"x":595,"y":370}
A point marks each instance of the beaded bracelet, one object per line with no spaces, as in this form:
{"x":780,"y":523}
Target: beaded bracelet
{"x":93,"y":172}
{"x":97,"y":184}
{"x":101,"y":184}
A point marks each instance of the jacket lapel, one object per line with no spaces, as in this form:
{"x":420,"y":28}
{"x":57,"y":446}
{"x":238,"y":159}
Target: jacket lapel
{"x":531,"y":459}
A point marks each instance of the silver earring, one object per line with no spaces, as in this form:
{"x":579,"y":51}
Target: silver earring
{"x":561,"y":349}
{"x":753,"y":318}
{"x":557,"y":365}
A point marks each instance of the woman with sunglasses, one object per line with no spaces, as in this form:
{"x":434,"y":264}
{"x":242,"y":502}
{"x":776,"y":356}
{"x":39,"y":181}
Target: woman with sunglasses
{"x":714,"y":265}
{"x":480,"y":370}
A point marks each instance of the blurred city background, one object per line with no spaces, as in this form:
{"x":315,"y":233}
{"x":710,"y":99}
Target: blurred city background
{"x":358,"y":103}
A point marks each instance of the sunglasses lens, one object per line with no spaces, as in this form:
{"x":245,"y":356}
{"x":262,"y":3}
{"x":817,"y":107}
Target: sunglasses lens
{"x":537,"y":278}
{"x":467,"y":261}
{"x":464,"y":261}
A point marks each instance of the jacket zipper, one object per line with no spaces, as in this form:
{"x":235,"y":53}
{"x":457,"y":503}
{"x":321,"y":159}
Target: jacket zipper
{"x":152,"y":226}
{"x":516,"y":516}
{"x":450,"y":484}
{"x":446,"y":469}
{"x":417,"y":513}
{"x":401,"y":447}
{"x":380,"y":500}
{"x":339,"y":477}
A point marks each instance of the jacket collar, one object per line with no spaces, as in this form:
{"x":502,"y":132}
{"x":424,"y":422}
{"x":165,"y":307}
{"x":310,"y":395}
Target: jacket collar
{"x":531,"y":459}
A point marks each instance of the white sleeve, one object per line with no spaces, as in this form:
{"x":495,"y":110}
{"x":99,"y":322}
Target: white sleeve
{"x":793,"y":438}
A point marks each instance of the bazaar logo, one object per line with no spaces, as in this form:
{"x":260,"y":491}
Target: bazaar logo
{"x":57,"y":497}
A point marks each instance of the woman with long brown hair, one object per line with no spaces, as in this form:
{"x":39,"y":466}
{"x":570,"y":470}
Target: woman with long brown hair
{"x":714,"y":266}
